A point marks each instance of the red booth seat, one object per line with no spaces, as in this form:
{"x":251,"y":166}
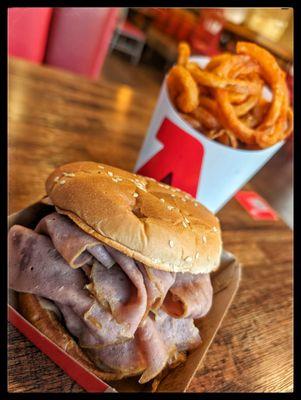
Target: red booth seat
{"x":28,"y":31}
{"x":79,"y":39}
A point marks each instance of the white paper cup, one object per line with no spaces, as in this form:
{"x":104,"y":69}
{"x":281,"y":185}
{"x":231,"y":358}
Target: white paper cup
{"x":175,"y":152}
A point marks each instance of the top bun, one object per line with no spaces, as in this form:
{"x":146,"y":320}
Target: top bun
{"x":156,"y":224}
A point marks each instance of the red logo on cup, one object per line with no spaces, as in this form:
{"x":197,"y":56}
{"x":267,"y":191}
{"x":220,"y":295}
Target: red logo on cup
{"x":179,"y":163}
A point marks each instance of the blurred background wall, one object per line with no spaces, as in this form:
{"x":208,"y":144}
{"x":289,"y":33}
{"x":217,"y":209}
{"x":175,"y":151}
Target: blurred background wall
{"x":136,"y":46}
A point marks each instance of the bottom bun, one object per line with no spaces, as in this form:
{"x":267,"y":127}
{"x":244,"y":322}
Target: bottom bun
{"x":47,"y":322}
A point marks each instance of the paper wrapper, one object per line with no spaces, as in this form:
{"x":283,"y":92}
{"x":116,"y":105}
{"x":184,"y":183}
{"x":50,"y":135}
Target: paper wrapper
{"x":183,"y":157}
{"x":225,"y":283}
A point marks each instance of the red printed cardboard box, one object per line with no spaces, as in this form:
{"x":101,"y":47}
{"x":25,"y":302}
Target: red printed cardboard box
{"x":225,"y":283}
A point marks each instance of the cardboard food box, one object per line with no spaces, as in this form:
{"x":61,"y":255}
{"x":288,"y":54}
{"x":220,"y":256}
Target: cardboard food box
{"x":225,"y":283}
{"x":177,"y":154}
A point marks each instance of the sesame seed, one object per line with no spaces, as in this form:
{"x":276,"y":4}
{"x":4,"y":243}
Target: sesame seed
{"x":115,"y":180}
{"x":173,"y":195}
{"x":162,"y":200}
{"x":183,"y":199}
{"x":195,"y":204}
{"x":188,"y":259}
{"x":110,"y":173}
{"x":56,"y":179}
{"x":101,"y":167}
{"x":186,"y":220}
{"x":71,"y":174}
{"x":161,"y":184}
{"x":171,"y":243}
{"x":170,"y":207}
{"x":135,"y":194}
{"x":204,"y":239}
{"x":214,"y":229}
{"x":62,"y":182}
{"x":197,"y":255}
{"x":141,"y":186}
{"x":184,"y":224}
{"x":187,"y":197}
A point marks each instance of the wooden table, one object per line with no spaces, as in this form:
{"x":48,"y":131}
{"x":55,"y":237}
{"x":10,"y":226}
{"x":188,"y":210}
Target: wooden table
{"x":54,"y":118}
{"x":247,"y":34}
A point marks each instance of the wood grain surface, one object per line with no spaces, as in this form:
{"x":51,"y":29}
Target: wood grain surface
{"x":55,"y":118}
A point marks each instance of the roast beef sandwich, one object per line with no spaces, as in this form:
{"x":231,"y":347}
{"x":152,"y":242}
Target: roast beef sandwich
{"x":118,"y":271}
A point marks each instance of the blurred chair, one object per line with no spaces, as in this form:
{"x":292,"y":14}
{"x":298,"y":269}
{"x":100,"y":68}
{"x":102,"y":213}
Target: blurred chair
{"x":79,"y":39}
{"x":186,"y":27}
{"x":128,"y":38}
{"x":28,"y":31}
{"x":173,"y":22}
{"x":206,"y":37}
{"x":161,"y":18}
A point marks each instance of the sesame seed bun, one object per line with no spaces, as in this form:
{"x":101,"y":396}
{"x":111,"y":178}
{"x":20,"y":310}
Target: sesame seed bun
{"x":156,"y":224}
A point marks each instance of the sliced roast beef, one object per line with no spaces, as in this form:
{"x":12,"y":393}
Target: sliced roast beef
{"x":136,"y":306}
{"x":162,"y":337}
{"x":157,"y":284}
{"x":78,"y":327}
{"x":178,"y":331}
{"x":36,"y":267}
{"x":157,"y":342}
{"x":155,"y":349}
{"x":125,"y":357}
{"x":107,"y":299}
{"x":123,"y":293}
{"x":74,"y":245}
{"x":189,"y":296}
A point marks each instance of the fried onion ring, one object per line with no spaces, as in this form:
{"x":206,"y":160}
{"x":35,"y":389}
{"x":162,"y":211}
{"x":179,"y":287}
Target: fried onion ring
{"x":209,"y":104}
{"x":224,"y":137}
{"x":237,"y":98}
{"x":192,"y":121}
{"x":245,"y":107}
{"x":206,"y":118}
{"x":182,"y":88}
{"x":273,"y":123}
{"x":271,"y":73}
{"x":217,"y":60}
{"x":281,"y":129}
{"x":225,"y":99}
{"x":183,"y":53}
{"x":210,"y":79}
{"x":228,"y":138}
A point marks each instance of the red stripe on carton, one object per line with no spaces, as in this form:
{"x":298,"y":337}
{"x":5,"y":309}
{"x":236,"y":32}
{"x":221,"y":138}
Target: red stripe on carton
{"x":76,"y":371}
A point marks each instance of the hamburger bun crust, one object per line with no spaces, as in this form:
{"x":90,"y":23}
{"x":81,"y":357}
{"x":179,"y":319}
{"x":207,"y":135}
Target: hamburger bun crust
{"x":158,"y":225}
